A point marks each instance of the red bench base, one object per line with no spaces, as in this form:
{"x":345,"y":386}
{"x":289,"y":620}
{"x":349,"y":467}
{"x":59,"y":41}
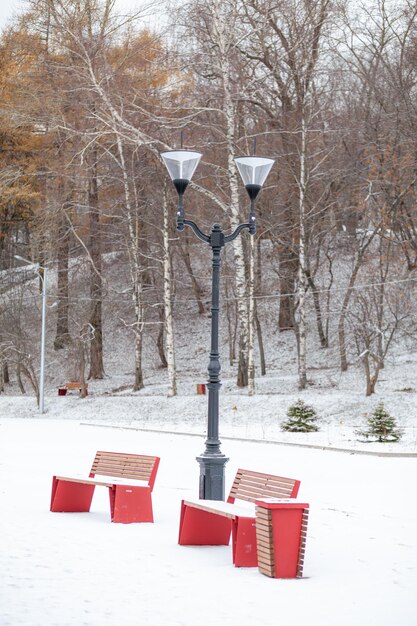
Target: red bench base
{"x":202,"y":528}
{"x":127,"y":504}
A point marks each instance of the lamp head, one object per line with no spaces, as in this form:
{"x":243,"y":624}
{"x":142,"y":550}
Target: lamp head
{"x":253,"y":171}
{"x":181,"y":165}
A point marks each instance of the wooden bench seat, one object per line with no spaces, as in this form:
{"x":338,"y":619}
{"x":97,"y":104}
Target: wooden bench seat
{"x":77,"y":386}
{"x":129,"y":477}
{"x":211,"y":522}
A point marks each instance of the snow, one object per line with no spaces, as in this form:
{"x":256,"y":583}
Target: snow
{"x":75,"y":569}
{"x":225,"y":507}
{"x":102,"y":479}
{"x":79,"y":569}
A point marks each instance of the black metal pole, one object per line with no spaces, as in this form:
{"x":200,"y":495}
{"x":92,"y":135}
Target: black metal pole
{"x":212,"y":461}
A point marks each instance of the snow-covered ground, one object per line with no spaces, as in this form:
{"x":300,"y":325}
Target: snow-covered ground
{"x":75,"y":569}
{"x":81,"y":570}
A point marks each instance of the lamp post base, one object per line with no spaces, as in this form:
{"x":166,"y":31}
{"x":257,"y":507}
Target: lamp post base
{"x":212,"y":476}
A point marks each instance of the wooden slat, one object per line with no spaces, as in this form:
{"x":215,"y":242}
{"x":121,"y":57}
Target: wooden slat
{"x":265,"y":554}
{"x":266,"y":557}
{"x":265,"y":565}
{"x":123,"y":465}
{"x":250,"y":486}
{"x":261,"y":510}
{"x":263,"y":523}
{"x":264,"y":542}
{"x":264,"y":534}
{"x":302,"y":548}
{"x":103,"y":483}
{"x":210,"y":509}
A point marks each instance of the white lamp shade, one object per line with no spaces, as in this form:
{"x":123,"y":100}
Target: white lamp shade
{"x":181,"y":164}
{"x":254,"y":170}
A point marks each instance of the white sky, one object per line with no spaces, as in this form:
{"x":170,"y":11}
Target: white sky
{"x":9,"y":8}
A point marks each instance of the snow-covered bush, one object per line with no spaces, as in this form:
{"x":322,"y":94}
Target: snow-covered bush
{"x":381,"y":426}
{"x":301,"y":418}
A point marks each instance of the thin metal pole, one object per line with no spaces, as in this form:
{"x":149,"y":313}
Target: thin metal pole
{"x":212,"y":461}
{"x":43,"y":338}
{"x":214,"y":367}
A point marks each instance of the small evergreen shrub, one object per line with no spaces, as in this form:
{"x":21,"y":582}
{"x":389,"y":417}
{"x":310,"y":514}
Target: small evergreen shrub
{"x":301,"y":418}
{"x":381,"y":426}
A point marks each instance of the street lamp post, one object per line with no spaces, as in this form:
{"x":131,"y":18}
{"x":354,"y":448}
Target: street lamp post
{"x":43,"y":276}
{"x":181,"y":165}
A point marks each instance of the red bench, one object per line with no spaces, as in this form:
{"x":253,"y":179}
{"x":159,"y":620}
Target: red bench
{"x":211,"y":522}
{"x":129,"y":477}
{"x":62,"y":391}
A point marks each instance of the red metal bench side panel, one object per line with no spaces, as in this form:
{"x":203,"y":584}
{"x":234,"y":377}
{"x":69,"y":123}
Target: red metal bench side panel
{"x":71,"y":497}
{"x":130,"y":504}
{"x":244,"y":550}
{"x":201,"y":528}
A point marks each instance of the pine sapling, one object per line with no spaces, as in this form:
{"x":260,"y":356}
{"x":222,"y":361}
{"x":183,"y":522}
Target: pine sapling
{"x":381,"y":426}
{"x":301,"y":418}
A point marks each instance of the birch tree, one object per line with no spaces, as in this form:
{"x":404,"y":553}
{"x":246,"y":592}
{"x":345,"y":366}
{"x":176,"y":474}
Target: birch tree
{"x":169,"y":325}
{"x":215,"y":31}
{"x":284,"y":48}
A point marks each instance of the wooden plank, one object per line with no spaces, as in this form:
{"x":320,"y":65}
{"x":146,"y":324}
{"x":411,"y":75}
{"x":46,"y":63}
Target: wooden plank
{"x":266,"y":486}
{"x":265,"y":546}
{"x":90,"y":481}
{"x":262,"y":521}
{"x":250,"y":486}
{"x":123,"y":465}
{"x":119,"y":456}
{"x":126,"y":461}
{"x":209,"y":509}
{"x":265,"y":520}
{"x":265,"y":554}
{"x":266,"y":558}
{"x":267,"y":567}
{"x":265,"y":533}
{"x":246,"y":472}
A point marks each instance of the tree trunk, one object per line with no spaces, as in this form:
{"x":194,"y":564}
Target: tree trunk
{"x":6,"y":376}
{"x":231,"y":327}
{"x":196,"y":287}
{"x":1,"y":373}
{"x":169,"y":325}
{"x":342,"y":318}
{"x":260,"y":343}
{"x":301,"y":326}
{"x":62,"y":337}
{"x":160,"y":338}
{"x":96,"y":288}
{"x":288,"y":265}
{"x":139,"y":382}
{"x":324,"y":342}
{"x":139,"y":325}
{"x":240,"y":273}
{"x":81,"y":360}
{"x":251,"y":329}
{"x":19,"y":377}
{"x":371,"y":379}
